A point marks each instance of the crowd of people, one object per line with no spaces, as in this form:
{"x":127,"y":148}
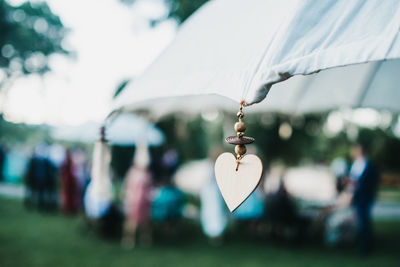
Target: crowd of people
{"x":58,"y":178}
{"x":149,"y":198}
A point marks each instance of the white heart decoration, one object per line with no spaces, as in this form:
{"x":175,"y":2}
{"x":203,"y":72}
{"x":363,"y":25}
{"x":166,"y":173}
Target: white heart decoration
{"x":236,"y":186}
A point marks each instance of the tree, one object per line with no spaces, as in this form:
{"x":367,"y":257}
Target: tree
{"x":29,"y":34}
{"x":179,"y":10}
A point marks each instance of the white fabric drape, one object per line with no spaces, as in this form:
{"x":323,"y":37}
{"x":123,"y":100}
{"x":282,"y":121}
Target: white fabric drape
{"x":99,"y":193}
{"x":240,"y":48}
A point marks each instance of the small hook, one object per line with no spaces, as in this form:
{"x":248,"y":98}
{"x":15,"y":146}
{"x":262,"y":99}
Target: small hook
{"x":238,"y":158}
{"x":103,"y":134}
{"x":242,"y":103}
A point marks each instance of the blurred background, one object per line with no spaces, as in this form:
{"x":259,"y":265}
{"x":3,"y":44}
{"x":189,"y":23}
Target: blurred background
{"x":142,"y":191}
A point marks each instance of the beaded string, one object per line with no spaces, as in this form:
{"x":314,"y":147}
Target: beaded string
{"x":240,"y":140}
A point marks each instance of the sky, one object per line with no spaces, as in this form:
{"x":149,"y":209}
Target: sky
{"x":112,"y":42}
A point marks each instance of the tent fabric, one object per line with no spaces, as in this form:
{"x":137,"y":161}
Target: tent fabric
{"x":128,"y":129}
{"x":123,"y":130}
{"x":370,"y":85}
{"x":240,"y":48}
{"x":99,"y":193}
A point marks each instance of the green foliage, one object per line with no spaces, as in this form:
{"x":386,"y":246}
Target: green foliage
{"x":12,"y":133}
{"x":382,"y":147}
{"x":188,"y":137}
{"x":304,"y":143}
{"x":180,"y":10}
{"x":29,"y":34}
{"x":122,"y":157}
{"x":193,"y":139}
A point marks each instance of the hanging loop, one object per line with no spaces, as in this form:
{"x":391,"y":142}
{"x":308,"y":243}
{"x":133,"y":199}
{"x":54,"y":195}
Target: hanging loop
{"x":240,"y":140}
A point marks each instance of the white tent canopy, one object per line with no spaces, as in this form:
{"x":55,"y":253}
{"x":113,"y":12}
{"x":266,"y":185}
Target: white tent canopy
{"x":239,"y":48}
{"x":370,"y":85}
{"x":123,"y":129}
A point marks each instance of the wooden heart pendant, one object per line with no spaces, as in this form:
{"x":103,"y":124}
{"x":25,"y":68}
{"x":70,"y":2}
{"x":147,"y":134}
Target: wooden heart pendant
{"x":236,"y":186}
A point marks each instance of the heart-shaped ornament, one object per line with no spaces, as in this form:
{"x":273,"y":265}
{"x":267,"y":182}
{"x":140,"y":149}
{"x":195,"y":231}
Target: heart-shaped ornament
{"x":236,"y":186}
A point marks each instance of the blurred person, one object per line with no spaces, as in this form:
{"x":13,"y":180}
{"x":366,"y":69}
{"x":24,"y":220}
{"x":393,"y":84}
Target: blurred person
{"x":340,"y":169}
{"x":82,"y":173}
{"x":2,"y":159}
{"x":365,"y":177}
{"x":57,"y":154}
{"x":168,"y":202}
{"x":340,"y":226}
{"x":213,"y":211}
{"x":281,"y":209}
{"x":40,"y":179}
{"x":251,"y":213}
{"x":30,"y":183}
{"x":283,"y":216}
{"x":14,"y":165}
{"x":69,"y":186}
{"x":170,"y":162}
{"x":167,"y":208}
{"x":252,"y":208}
{"x":163,"y":164}
{"x":338,"y":218}
{"x":51,"y":186}
{"x":137,"y":201}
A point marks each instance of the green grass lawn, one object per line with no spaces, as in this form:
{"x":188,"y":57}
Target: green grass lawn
{"x":389,"y":194}
{"x":28,"y":238}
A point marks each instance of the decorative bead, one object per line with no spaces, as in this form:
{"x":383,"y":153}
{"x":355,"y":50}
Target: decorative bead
{"x":240,"y":149}
{"x":239,"y":134}
{"x":235,"y":140}
{"x":240,"y":126}
{"x":240,"y":114}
